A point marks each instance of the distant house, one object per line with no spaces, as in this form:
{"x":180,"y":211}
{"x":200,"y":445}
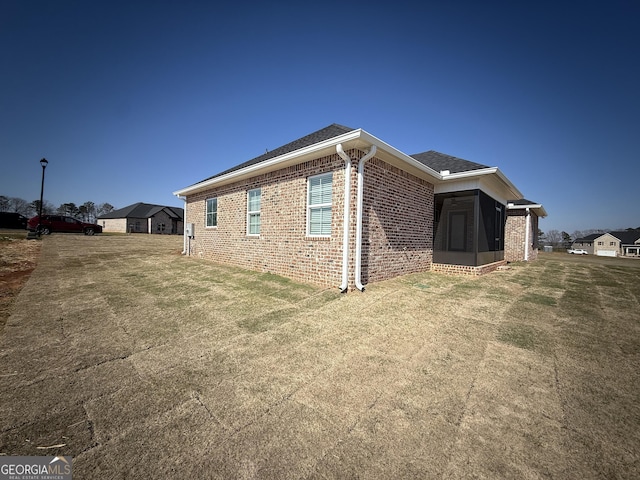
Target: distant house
{"x":341,"y":207}
{"x":144,"y":218}
{"x":611,"y":244}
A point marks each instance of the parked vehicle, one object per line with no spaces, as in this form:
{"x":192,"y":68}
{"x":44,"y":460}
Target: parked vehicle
{"x":61,"y":223}
{"x":12,"y":220}
{"x":577,"y":251}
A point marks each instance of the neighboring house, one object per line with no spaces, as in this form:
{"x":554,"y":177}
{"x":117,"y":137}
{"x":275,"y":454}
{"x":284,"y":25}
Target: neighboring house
{"x":341,"y":207}
{"x":144,"y":218}
{"x":611,"y":244}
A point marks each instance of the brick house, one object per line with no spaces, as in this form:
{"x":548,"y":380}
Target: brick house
{"x":143,"y":218}
{"x":341,"y":207}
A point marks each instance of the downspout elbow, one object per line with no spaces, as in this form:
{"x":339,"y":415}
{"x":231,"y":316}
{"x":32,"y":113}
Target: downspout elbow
{"x":345,"y":237}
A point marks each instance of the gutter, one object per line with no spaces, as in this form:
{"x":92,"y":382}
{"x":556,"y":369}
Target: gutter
{"x":481,"y":172}
{"x":356,"y":138}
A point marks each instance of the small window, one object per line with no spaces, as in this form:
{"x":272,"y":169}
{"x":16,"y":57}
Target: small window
{"x":612,"y":244}
{"x":600,"y":243}
{"x":319,"y":205}
{"x":253,"y":211}
{"x":212,"y":212}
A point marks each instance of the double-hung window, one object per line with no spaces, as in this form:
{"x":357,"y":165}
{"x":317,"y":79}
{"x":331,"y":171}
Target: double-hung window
{"x":319,"y":205}
{"x":253,"y":211}
{"x":212,"y":212}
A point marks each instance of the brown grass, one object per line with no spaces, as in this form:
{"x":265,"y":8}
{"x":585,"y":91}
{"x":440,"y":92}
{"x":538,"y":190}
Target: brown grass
{"x":145,"y":363}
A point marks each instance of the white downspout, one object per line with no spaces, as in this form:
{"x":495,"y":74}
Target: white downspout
{"x":526,"y":236}
{"x":184,"y":225}
{"x":358,"y":272}
{"x":347,"y":201}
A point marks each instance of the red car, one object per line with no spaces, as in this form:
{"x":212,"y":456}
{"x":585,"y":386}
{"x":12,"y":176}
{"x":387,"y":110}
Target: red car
{"x":61,"y":223}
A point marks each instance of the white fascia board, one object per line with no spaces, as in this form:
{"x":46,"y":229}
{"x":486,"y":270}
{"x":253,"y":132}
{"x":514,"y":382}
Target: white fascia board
{"x":536,"y":207}
{"x":268,"y":164}
{"x":362,"y":139}
{"x":487,"y":171}
{"x":380,"y":145}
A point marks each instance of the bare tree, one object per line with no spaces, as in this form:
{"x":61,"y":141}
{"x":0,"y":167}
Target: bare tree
{"x":18,"y":205}
{"x":89,"y":211}
{"x":47,"y":207}
{"x":103,"y":208}
{"x":554,"y":237}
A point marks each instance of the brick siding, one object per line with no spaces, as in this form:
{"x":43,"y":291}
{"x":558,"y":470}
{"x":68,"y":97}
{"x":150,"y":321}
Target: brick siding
{"x":515,"y":236}
{"x":282,"y":247}
{"x":449,"y":269}
{"x":397,"y":223}
{"x":397,"y":233}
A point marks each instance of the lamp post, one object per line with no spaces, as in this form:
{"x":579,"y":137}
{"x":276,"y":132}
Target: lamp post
{"x":44,"y":163}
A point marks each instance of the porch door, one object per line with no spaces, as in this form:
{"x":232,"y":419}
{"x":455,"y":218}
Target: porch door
{"x":498,"y":230}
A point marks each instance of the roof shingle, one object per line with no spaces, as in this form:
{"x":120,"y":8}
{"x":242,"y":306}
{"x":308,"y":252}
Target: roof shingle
{"x":441,"y":161}
{"x":333,"y":130}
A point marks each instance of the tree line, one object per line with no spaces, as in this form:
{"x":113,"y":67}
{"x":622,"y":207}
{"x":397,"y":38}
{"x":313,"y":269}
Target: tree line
{"x":87,"y":212}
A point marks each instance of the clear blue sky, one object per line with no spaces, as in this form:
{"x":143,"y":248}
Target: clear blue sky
{"x":130,"y":101}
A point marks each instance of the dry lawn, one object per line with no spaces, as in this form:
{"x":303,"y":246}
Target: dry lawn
{"x":142,"y":363}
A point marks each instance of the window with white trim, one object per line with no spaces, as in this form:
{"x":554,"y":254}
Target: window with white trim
{"x":319,"y":205}
{"x":253,"y":211}
{"x":211,"y":216}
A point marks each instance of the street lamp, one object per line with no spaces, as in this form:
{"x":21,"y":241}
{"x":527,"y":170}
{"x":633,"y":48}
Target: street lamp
{"x":44,"y":163}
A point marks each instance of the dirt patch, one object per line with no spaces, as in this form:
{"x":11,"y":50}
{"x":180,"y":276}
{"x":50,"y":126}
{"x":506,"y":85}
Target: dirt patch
{"x":18,"y":259}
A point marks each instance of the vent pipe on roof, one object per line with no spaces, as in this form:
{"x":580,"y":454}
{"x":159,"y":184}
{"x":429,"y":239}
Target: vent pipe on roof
{"x":345,"y":238}
{"x":363,"y":160}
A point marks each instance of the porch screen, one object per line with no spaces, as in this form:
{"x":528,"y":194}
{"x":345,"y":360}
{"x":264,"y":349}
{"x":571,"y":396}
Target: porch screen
{"x":469,"y":228}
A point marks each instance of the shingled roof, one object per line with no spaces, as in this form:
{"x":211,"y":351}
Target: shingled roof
{"x":144,"y":210}
{"x":626,"y":236}
{"x":435,"y":160}
{"x":441,"y":161}
{"x":333,"y":130}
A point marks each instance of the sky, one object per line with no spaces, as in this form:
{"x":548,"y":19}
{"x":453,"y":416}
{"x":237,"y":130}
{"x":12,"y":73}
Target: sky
{"x":130,"y":101}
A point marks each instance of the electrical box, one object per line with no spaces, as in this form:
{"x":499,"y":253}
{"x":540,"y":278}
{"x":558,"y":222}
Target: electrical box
{"x":189,"y":229}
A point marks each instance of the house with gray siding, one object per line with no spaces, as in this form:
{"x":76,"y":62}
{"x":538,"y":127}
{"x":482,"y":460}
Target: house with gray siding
{"x":342,"y":207}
